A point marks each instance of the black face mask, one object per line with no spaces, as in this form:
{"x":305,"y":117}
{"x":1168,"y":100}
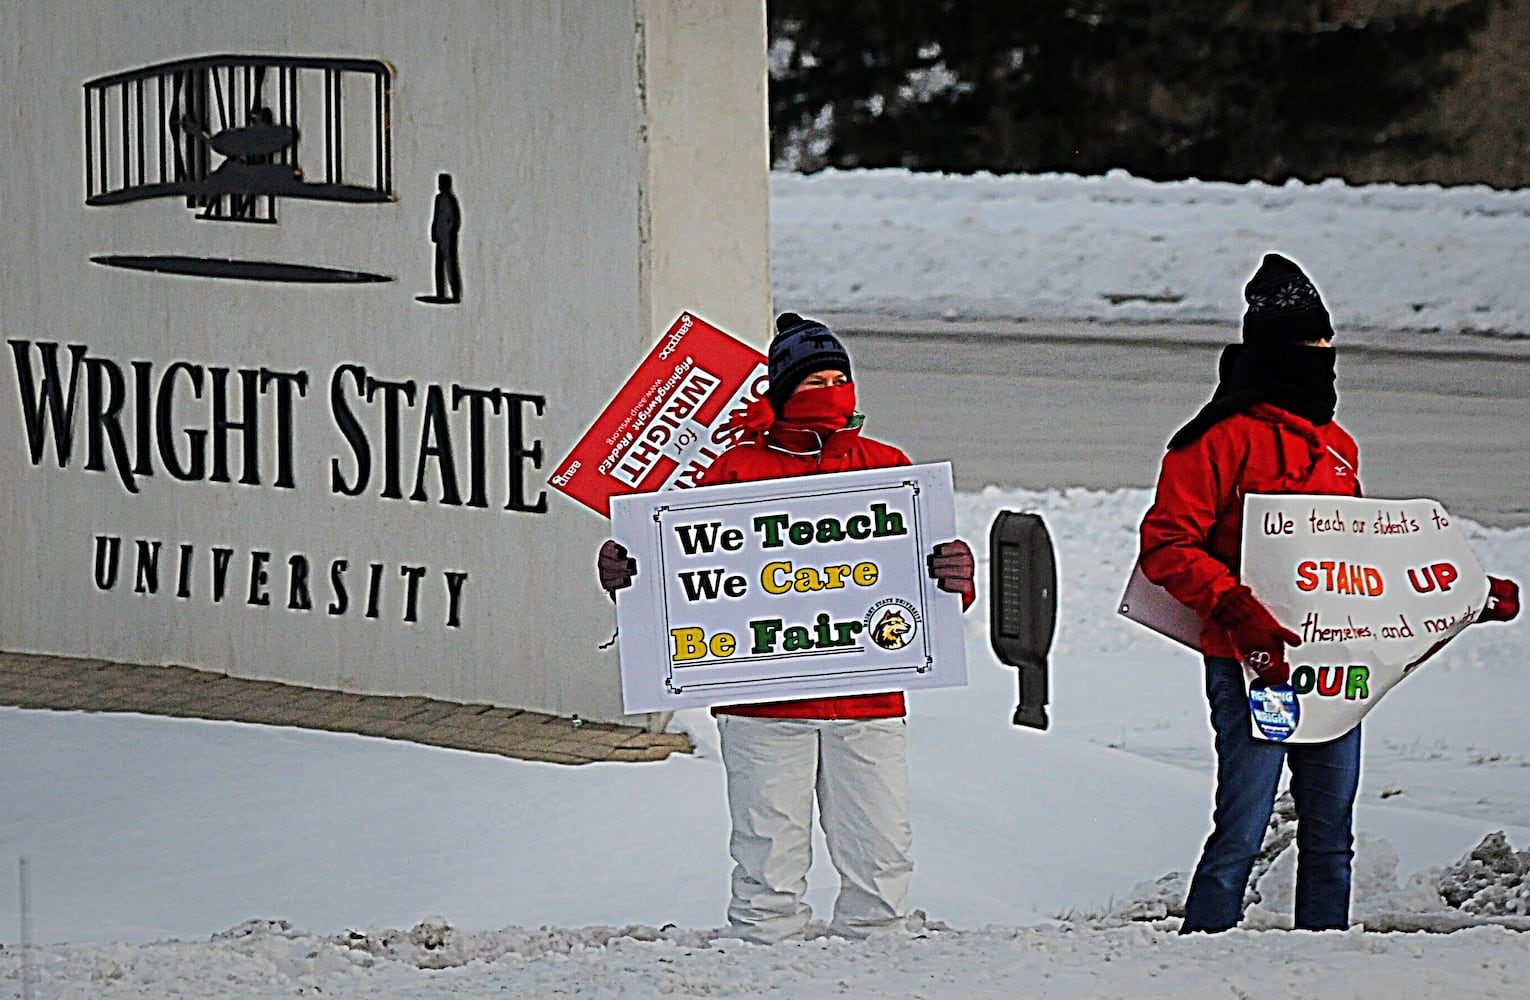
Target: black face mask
{"x":1298,"y":378}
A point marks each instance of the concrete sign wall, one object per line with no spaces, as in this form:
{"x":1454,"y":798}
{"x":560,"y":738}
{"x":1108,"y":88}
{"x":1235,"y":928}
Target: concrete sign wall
{"x":302,"y":301}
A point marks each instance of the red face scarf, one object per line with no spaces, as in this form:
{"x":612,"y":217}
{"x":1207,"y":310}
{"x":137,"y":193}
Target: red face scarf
{"x":824,"y":409}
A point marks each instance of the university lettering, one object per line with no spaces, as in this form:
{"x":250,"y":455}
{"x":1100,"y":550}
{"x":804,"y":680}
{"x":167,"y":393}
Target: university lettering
{"x":297,"y":582}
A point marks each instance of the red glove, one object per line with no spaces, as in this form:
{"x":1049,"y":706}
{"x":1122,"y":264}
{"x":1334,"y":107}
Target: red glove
{"x":616,"y":568}
{"x":1261,"y":641}
{"x":1502,"y":602}
{"x":952,"y":568}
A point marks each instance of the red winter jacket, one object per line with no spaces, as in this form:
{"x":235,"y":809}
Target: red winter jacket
{"x":781,"y":453}
{"x":1192,"y":535}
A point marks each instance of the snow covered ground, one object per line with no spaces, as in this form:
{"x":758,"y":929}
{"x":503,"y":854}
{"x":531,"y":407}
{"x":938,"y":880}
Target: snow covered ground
{"x":182,"y":858}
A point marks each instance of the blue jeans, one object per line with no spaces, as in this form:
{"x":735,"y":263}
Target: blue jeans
{"x":1324,"y":780}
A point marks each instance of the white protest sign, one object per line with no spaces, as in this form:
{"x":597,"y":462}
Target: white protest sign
{"x":787,"y":588}
{"x":1373,"y":587}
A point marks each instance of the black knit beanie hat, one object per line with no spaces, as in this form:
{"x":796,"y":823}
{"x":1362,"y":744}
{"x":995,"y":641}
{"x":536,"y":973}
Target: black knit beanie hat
{"x":1283,"y":306}
{"x":800,"y":348}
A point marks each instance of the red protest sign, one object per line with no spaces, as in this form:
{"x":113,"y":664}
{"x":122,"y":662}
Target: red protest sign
{"x":664,"y":427}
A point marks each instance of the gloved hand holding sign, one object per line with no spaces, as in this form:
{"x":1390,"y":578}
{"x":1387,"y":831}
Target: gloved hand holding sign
{"x":1261,"y":641}
{"x":953,"y":568}
{"x":615,"y":566}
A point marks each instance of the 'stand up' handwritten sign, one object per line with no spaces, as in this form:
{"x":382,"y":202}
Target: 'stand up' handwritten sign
{"x":787,"y":588}
{"x":1373,"y":587}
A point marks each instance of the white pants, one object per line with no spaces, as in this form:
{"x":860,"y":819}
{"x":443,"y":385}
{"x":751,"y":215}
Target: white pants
{"x":858,"y":771}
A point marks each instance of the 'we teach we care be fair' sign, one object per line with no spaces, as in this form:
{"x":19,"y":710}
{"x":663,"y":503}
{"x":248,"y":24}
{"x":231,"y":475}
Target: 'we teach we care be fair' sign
{"x":787,"y":588}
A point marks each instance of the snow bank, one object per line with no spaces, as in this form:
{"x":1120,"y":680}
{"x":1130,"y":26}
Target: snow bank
{"x":1119,"y":248}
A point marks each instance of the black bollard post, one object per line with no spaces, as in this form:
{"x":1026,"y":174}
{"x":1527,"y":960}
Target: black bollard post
{"x":1022,"y":606}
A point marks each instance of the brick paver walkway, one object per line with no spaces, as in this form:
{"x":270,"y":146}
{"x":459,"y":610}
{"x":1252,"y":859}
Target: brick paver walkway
{"x":55,"y":682}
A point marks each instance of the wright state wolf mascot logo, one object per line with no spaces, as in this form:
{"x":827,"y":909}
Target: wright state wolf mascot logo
{"x":894,"y":629}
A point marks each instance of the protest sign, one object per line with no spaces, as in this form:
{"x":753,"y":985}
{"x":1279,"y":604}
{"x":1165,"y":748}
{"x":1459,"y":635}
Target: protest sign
{"x":1373,"y":587}
{"x":787,"y":588}
{"x":664,"y":427}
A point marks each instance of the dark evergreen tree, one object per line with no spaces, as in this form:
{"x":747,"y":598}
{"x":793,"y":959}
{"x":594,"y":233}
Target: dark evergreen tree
{"x":1193,"y":88}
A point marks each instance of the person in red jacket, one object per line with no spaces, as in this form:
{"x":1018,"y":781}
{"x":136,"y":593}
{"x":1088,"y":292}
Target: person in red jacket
{"x":847,"y":753}
{"x":1268,"y":428}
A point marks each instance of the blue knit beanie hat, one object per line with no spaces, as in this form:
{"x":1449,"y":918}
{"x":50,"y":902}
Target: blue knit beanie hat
{"x":800,"y":348}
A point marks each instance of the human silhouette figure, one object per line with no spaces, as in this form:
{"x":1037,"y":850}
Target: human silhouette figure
{"x":445,"y":223}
